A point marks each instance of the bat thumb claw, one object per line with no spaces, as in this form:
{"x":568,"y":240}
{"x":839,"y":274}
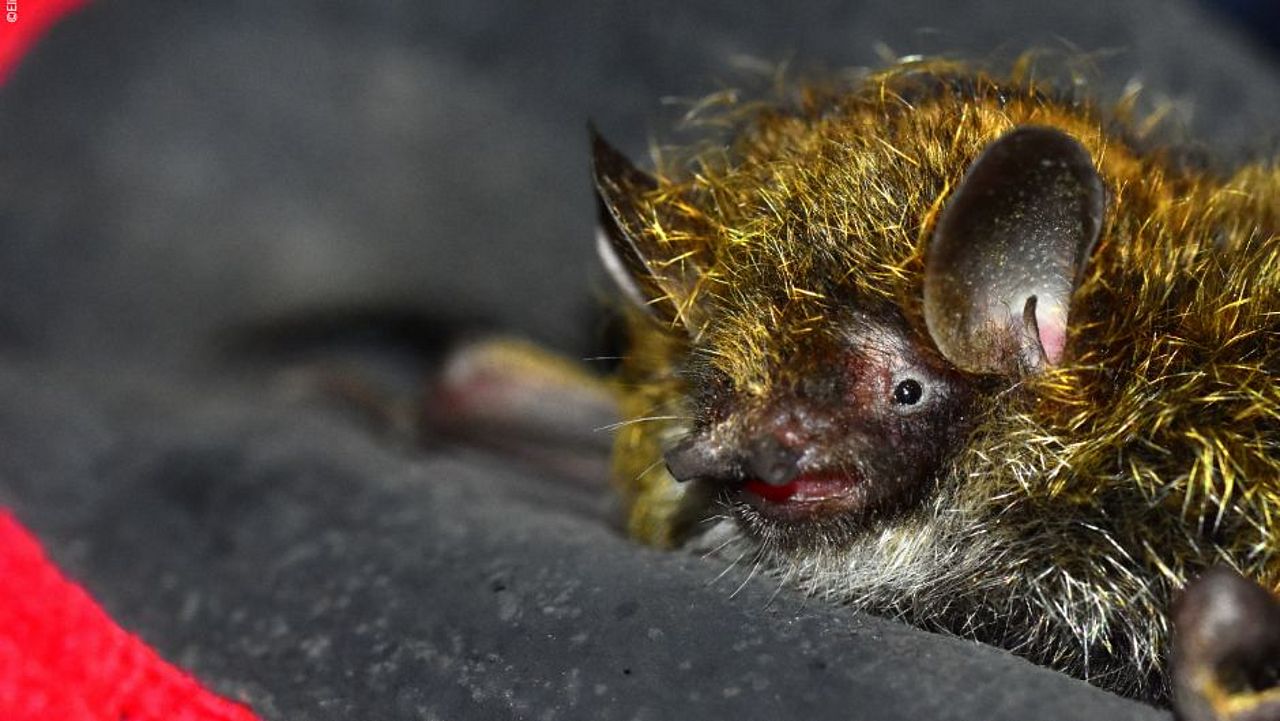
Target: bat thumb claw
{"x":1226,"y":656}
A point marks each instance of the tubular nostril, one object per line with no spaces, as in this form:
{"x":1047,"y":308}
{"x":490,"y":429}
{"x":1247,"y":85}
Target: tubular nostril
{"x":773,"y":462}
{"x":693,"y":458}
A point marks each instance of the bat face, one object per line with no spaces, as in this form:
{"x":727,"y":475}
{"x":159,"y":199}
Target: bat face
{"x":948,"y":349}
{"x":842,"y":429}
{"x":820,"y":394}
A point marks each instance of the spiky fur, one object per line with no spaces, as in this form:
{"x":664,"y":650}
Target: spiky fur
{"x":1087,"y":495}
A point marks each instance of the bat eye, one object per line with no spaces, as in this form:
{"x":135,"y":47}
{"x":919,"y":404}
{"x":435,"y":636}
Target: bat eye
{"x":908,"y":392}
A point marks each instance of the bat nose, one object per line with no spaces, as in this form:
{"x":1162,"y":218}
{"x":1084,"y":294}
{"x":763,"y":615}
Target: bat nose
{"x":772,"y":461}
{"x":694,"y":457}
{"x":767,"y":459}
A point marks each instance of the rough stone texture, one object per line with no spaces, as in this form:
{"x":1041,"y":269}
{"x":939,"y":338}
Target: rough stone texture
{"x":290,"y":561}
{"x":174,"y":168}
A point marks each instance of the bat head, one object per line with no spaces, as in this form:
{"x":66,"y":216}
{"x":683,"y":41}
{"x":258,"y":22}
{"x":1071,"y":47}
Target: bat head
{"x":819,"y":401}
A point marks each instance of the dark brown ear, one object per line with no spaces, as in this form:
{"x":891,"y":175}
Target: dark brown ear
{"x":1226,"y":650}
{"x":651,"y":270}
{"x":1009,"y":249}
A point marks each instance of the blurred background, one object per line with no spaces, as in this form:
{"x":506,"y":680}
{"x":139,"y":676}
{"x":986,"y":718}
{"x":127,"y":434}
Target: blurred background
{"x":1260,"y":18}
{"x":171,"y":167}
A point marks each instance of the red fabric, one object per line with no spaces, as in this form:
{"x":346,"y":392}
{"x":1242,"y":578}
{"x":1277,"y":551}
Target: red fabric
{"x":62,"y":658}
{"x":22,"y":22}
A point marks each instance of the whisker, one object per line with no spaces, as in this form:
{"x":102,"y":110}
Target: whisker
{"x":783,"y":581}
{"x":727,"y":569}
{"x":647,"y":468}
{"x":719,"y":548}
{"x":645,"y":419}
{"x":755,"y":567}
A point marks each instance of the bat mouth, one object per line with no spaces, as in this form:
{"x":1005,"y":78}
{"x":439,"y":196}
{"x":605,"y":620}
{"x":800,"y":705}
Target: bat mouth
{"x":808,"y":495}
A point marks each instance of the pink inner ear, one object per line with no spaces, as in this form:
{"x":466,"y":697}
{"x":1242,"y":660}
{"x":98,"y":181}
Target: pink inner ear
{"x":1052,"y":321}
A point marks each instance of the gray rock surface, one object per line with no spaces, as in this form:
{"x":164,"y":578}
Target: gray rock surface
{"x":173,"y":168}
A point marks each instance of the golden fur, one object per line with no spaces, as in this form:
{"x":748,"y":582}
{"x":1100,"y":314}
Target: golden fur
{"x":1087,"y":495}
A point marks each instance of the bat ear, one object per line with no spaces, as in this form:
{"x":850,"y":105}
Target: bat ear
{"x":1009,"y":249}
{"x":651,"y":271}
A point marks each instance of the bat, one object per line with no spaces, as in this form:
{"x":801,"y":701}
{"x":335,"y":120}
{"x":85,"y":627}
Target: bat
{"x":966,"y":350}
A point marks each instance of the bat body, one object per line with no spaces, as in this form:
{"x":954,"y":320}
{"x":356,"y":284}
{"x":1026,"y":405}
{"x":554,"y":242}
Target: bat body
{"x":956,"y":349}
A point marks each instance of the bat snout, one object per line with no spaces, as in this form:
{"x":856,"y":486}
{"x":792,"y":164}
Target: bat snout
{"x":769,"y":445}
{"x":773,"y":461}
{"x":767,"y":459}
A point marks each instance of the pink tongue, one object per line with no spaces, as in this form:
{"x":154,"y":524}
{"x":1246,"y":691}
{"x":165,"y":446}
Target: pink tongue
{"x":808,"y":487}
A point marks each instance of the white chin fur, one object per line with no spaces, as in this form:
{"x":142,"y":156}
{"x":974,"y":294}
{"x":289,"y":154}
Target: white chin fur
{"x":911,"y":566}
{"x":942,"y":570}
